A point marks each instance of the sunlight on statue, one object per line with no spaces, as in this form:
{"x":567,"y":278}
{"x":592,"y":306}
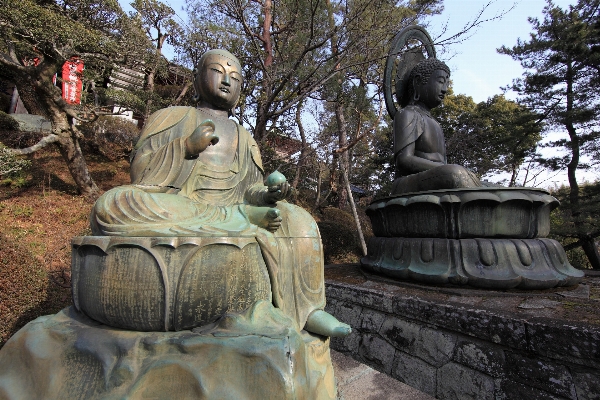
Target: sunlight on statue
{"x":195,"y":172}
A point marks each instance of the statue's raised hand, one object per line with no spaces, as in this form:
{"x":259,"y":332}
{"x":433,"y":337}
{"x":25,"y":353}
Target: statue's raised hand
{"x":202,"y":137}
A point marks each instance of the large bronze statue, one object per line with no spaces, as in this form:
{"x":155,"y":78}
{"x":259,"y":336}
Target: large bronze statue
{"x":440,"y":224}
{"x":199,"y":280}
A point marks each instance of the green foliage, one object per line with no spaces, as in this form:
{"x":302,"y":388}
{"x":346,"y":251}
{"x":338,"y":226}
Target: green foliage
{"x":157,"y":16}
{"x":128,"y":99}
{"x":78,"y":24}
{"x":561,"y":78}
{"x":567,"y":221}
{"x":339,"y":236}
{"x":156,"y":19}
{"x":22,"y":211}
{"x":45,"y":34}
{"x":490,"y":137}
{"x":7,"y":122}
{"x":306,"y":44}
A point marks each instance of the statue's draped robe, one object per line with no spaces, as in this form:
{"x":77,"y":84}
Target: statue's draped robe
{"x":414,"y":120}
{"x":174,"y":196}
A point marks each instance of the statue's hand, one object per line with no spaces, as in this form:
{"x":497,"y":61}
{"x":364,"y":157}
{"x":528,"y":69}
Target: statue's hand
{"x":202,"y":137}
{"x":277,"y":192}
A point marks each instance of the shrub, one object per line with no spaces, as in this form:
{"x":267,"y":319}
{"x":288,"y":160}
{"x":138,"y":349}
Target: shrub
{"x":339,"y":236}
{"x":8,"y":123}
{"x":112,"y":137}
{"x":11,"y":165}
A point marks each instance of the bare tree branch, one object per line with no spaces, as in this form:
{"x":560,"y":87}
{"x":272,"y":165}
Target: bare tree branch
{"x":45,"y":141}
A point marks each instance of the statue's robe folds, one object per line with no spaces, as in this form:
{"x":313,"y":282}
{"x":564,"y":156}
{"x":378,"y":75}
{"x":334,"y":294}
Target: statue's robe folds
{"x":409,"y":125}
{"x":174,"y":196}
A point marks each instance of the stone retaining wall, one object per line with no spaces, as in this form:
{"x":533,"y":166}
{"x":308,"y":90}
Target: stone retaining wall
{"x":453,"y":351}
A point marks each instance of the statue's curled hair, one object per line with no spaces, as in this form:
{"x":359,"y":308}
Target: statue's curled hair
{"x":424,"y":69}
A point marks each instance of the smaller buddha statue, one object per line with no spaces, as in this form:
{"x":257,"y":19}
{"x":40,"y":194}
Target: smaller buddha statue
{"x":419,"y":146}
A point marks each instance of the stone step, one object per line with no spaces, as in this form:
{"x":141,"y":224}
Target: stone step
{"x":356,"y":381}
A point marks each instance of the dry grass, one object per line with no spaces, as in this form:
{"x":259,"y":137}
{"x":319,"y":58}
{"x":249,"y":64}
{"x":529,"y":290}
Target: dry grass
{"x":37,"y":223}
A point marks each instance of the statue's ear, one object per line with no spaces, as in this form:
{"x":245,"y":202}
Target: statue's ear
{"x":416,"y":89}
{"x":417,"y":82}
{"x":196,"y":97}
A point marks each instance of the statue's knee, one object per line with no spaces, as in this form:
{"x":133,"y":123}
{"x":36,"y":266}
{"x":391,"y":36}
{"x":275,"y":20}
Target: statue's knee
{"x":453,"y":170}
{"x":458,"y":176}
{"x":112,"y":197}
{"x":299,"y":222}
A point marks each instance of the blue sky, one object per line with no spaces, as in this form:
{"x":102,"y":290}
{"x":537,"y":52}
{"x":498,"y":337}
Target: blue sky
{"x":477,"y":69}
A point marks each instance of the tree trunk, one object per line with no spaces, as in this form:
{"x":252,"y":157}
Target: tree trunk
{"x":304,"y":149}
{"x":343,"y":191}
{"x":319,"y":181}
{"x":513,"y":177}
{"x":260,"y":129}
{"x":149,"y":89}
{"x":47,"y":103}
{"x":587,"y":243}
{"x":361,"y":238}
{"x":591,"y":251}
{"x":262,"y":111}
{"x":182,"y":93}
{"x":71,"y":153}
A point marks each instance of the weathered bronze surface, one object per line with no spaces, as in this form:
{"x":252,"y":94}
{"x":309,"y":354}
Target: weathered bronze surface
{"x":485,"y":263}
{"x":253,"y":355}
{"x":498,"y":212}
{"x":196,"y":173}
{"x":162,"y":284}
{"x":196,"y":238}
{"x":440,"y":225}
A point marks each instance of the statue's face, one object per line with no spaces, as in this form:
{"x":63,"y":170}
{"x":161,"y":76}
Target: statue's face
{"x":219,"y":82}
{"x":433,"y":92}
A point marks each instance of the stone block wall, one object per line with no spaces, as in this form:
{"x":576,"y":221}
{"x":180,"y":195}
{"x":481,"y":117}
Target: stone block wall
{"x":453,"y":351}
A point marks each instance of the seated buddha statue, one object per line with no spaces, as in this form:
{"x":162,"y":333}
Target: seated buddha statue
{"x":419,"y":146}
{"x":196,"y":172}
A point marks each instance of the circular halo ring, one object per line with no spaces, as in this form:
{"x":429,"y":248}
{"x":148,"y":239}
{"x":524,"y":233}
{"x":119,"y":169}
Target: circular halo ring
{"x":389,"y":76}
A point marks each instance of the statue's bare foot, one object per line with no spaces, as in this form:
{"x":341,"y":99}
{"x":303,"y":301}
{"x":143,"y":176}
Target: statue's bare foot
{"x":266,"y":217}
{"x":323,"y":323}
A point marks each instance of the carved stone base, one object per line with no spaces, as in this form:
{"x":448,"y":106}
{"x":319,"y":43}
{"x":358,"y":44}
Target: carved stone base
{"x":254,"y":355}
{"x":484,"y":263}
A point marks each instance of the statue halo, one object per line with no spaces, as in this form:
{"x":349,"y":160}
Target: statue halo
{"x":400,"y":62}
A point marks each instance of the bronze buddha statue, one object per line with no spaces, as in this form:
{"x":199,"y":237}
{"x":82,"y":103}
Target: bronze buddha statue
{"x":419,"y":146}
{"x":441,"y":224}
{"x":196,"y":172}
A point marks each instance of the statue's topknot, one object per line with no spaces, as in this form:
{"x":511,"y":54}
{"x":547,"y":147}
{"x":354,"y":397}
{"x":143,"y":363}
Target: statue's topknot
{"x":425,"y":68}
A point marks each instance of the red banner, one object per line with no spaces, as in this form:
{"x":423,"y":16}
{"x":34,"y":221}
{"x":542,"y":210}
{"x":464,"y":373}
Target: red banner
{"x":72,"y":71}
